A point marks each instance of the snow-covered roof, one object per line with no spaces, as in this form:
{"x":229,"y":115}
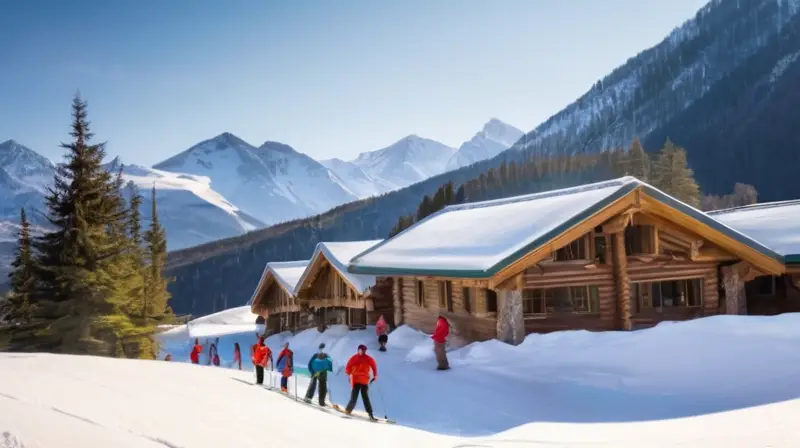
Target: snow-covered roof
{"x":339,"y":255}
{"x":479,"y":239}
{"x":773,"y":224}
{"x":286,"y":273}
{"x":240,"y":315}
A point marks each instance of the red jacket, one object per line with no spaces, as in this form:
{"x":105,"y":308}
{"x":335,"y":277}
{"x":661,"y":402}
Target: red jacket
{"x":358,"y":368}
{"x":261,"y":353}
{"x":441,"y":332}
{"x":196,"y":350}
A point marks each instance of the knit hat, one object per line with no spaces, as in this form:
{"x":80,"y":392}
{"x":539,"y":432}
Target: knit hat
{"x":321,"y":346}
{"x":362,"y":347}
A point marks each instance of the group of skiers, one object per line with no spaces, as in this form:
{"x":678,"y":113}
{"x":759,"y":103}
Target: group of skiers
{"x":361,"y":368}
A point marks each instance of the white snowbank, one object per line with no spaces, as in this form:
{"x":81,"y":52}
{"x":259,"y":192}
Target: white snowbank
{"x":614,"y":388}
{"x":725,"y":381}
{"x":241,"y":315}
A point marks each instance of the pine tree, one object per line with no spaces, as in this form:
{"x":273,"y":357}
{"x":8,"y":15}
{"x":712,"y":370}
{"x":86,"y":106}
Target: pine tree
{"x":23,"y":276}
{"x":156,"y":256}
{"x":638,"y":163}
{"x":672,"y":175}
{"x":135,"y":216}
{"x":76,"y":309}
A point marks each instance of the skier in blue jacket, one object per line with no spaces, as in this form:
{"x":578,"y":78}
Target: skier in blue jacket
{"x":318,"y":366}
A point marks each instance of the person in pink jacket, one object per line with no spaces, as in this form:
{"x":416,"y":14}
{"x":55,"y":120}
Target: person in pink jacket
{"x":382,"y":329}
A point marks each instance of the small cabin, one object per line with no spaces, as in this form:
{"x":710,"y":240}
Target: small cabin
{"x":275,"y":300}
{"x":338,"y":297}
{"x":614,"y":255}
{"x":777,"y":226}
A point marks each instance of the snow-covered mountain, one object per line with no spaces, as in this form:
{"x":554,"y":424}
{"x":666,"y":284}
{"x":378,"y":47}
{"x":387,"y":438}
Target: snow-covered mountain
{"x":408,"y":161}
{"x":273,"y":183}
{"x":494,"y":138}
{"x":190,"y":210}
{"x":355,"y":179}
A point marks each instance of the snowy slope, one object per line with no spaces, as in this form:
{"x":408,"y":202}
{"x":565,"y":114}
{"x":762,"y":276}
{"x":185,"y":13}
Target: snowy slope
{"x":273,"y":183}
{"x":406,"y":162}
{"x":190,"y":211}
{"x":302,"y":177}
{"x":564,"y":389}
{"x":494,"y":138}
{"x":355,"y":179}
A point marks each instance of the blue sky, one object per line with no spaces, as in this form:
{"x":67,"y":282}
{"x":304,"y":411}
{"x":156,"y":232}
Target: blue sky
{"x":330,"y":78}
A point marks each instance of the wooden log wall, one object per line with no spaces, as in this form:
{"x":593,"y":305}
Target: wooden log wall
{"x":667,"y":270}
{"x":382,"y":295}
{"x":555,"y":276}
{"x":786,"y":298}
{"x":476,"y":326}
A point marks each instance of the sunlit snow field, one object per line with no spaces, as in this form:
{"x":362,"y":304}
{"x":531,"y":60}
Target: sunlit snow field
{"x":719,"y":381}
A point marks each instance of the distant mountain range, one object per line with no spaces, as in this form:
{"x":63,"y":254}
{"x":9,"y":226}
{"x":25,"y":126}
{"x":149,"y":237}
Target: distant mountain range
{"x":224,"y":186}
{"x":725,"y":85}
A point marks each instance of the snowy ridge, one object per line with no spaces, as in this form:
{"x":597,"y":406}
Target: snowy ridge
{"x":339,"y":254}
{"x":355,"y":180}
{"x":190,"y":210}
{"x":406,"y":162}
{"x":494,"y":138}
{"x":273,"y":183}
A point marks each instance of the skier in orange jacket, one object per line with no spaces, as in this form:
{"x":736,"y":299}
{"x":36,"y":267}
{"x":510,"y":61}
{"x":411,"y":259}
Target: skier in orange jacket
{"x":358,"y":368}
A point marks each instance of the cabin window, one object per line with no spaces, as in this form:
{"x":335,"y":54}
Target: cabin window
{"x":765,"y":285}
{"x":340,"y":288}
{"x":600,"y":248}
{"x":466,"y":294}
{"x":570,"y":299}
{"x":446,"y":295}
{"x":420,"y":293}
{"x":491,"y":301}
{"x":639,"y":240}
{"x":575,"y":250}
{"x":668,"y":294}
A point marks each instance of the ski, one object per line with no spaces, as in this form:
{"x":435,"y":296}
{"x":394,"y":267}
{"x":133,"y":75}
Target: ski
{"x":362,"y":416}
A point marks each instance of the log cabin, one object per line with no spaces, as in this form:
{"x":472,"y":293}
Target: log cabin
{"x":275,"y":300}
{"x":777,"y":226}
{"x":338,"y":297}
{"x":614,"y":255}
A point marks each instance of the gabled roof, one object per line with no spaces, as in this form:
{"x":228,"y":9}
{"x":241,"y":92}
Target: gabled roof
{"x":480,"y":239}
{"x":774,"y":224}
{"x":339,"y":255}
{"x":286,"y":273}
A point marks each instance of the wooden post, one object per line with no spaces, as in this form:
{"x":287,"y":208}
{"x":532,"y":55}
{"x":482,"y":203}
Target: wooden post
{"x":510,"y":320}
{"x":733,"y":280}
{"x":397,"y":290}
{"x":621,"y":280}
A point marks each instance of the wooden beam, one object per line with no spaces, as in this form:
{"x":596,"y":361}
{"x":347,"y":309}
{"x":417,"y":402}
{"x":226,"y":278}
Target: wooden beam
{"x":545,"y":250}
{"x":764,"y":262}
{"x":622,"y":284}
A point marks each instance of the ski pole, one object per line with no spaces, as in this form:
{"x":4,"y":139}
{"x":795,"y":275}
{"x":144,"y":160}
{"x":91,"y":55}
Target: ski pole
{"x":383,"y":403}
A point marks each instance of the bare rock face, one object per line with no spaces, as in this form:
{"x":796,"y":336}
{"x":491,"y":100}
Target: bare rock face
{"x":510,"y":321}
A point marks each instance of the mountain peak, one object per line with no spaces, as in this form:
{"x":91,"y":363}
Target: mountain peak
{"x":270,"y":145}
{"x":228,"y":139}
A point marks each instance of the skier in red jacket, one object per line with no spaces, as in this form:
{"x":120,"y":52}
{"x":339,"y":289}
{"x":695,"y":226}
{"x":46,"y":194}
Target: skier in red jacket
{"x":439,"y":340}
{"x":196,"y":350}
{"x":358,"y":369}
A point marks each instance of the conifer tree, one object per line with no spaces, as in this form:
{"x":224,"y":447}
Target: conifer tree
{"x":156,"y":256}
{"x":22,"y":276}
{"x":638,"y":163}
{"x":672,"y":175}
{"x":76,"y":309}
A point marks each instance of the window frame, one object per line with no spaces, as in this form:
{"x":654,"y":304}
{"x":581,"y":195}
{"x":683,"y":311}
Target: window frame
{"x":420,"y":286}
{"x":592,"y":296}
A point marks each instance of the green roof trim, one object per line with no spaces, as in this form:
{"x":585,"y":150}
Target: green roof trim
{"x":623,"y":191}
